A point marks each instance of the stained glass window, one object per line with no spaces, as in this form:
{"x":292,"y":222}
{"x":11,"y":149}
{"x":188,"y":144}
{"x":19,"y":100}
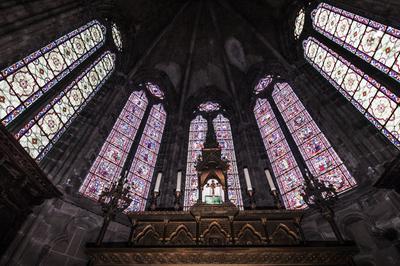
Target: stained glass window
{"x":22,"y":83}
{"x":317,"y":152}
{"x":209,"y":107}
{"x":155,"y":90}
{"x":39,"y":134}
{"x":375,"y":43}
{"x":116,"y":35}
{"x":108,"y":165}
{"x":144,"y":162}
{"x":284,"y":166}
{"x":377,"y":103}
{"x":197,"y":136}
{"x":224,"y":136}
{"x":299,"y":24}
{"x":262,"y":84}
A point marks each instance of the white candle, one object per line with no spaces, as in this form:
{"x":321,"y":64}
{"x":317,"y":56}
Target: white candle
{"x":247,"y":178}
{"x":178,"y":181}
{"x":158,"y":182}
{"x":269,"y":178}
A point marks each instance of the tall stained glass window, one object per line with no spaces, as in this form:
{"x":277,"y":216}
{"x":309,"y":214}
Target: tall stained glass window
{"x":377,"y":103}
{"x":144,"y":162}
{"x":224,"y":136}
{"x":375,"y":43}
{"x":108,"y":164}
{"x":319,"y":155}
{"x":116,"y":35}
{"x":24,"y":82}
{"x":299,"y":24}
{"x":40,"y":133}
{"x":197,"y":136}
{"x":284,"y":166}
{"x":315,"y":150}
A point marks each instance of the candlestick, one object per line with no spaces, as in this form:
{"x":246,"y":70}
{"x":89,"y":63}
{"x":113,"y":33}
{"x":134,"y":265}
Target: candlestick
{"x":251,"y":193}
{"x":247,"y":178}
{"x":277,"y":200}
{"x":153,"y":204}
{"x":178,"y":181}
{"x":158,"y":182}
{"x":177,"y":202}
{"x":269,"y":179}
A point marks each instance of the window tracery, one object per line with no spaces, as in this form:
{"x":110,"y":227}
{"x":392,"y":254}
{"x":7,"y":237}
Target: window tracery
{"x":299,"y":23}
{"x":116,"y":35}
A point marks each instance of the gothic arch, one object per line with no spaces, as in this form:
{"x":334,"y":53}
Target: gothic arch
{"x":283,"y":235}
{"x":215,"y":234}
{"x":148,"y":235}
{"x":244,"y":238}
{"x":181,"y":235}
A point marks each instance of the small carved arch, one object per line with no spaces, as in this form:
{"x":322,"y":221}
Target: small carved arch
{"x":181,"y":236}
{"x":248,"y":235}
{"x":148,"y":236}
{"x":215,"y":235}
{"x":283,"y":235}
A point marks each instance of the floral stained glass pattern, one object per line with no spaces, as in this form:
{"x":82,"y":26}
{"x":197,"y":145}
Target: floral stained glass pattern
{"x":116,"y":35}
{"x":375,"y":43}
{"x":377,"y":103}
{"x":317,"y":152}
{"x":154,"y":90}
{"x":108,"y":165}
{"x":284,"y":166}
{"x":197,"y":136}
{"x":224,"y":137}
{"x":144,"y":162}
{"x":22,"y":83}
{"x":299,"y":24}
{"x":40,"y":133}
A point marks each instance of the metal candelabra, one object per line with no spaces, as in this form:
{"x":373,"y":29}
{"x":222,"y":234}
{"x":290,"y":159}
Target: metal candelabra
{"x":321,"y":197}
{"x":113,"y":200}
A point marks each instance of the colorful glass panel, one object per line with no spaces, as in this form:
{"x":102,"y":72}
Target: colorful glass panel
{"x":375,"y":43}
{"x":40,"y":133}
{"x":108,"y":165}
{"x":22,"y":83}
{"x":154,"y":90}
{"x":142,"y":168}
{"x":299,"y":24}
{"x":378,"y":104}
{"x":284,"y":166}
{"x":263,"y":84}
{"x":116,"y":35}
{"x":209,"y":107}
{"x":197,"y":136}
{"x":224,"y":137}
{"x":320,"y":157}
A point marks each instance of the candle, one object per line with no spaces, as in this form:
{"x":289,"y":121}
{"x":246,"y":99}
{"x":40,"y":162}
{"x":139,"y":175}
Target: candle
{"x":269,"y":178}
{"x":247,"y":178}
{"x":158,"y":182}
{"x":178,"y":181}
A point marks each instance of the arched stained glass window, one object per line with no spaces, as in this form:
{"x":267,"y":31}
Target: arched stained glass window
{"x":299,"y":24}
{"x":378,"y":104}
{"x":116,"y":35}
{"x":22,"y":83}
{"x":319,"y":155}
{"x":224,"y":136}
{"x":39,"y":134}
{"x":144,"y":162}
{"x":197,"y":136}
{"x":376,"y":43}
{"x":284,"y":166}
{"x":108,"y":164}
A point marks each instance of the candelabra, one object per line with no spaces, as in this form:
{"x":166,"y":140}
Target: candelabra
{"x":113,"y":200}
{"x":153,"y":202}
{"x":177,"y":202}
{"x":251,"y":193}
{"x":277,"y":200}
{"x":321,"y":197}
